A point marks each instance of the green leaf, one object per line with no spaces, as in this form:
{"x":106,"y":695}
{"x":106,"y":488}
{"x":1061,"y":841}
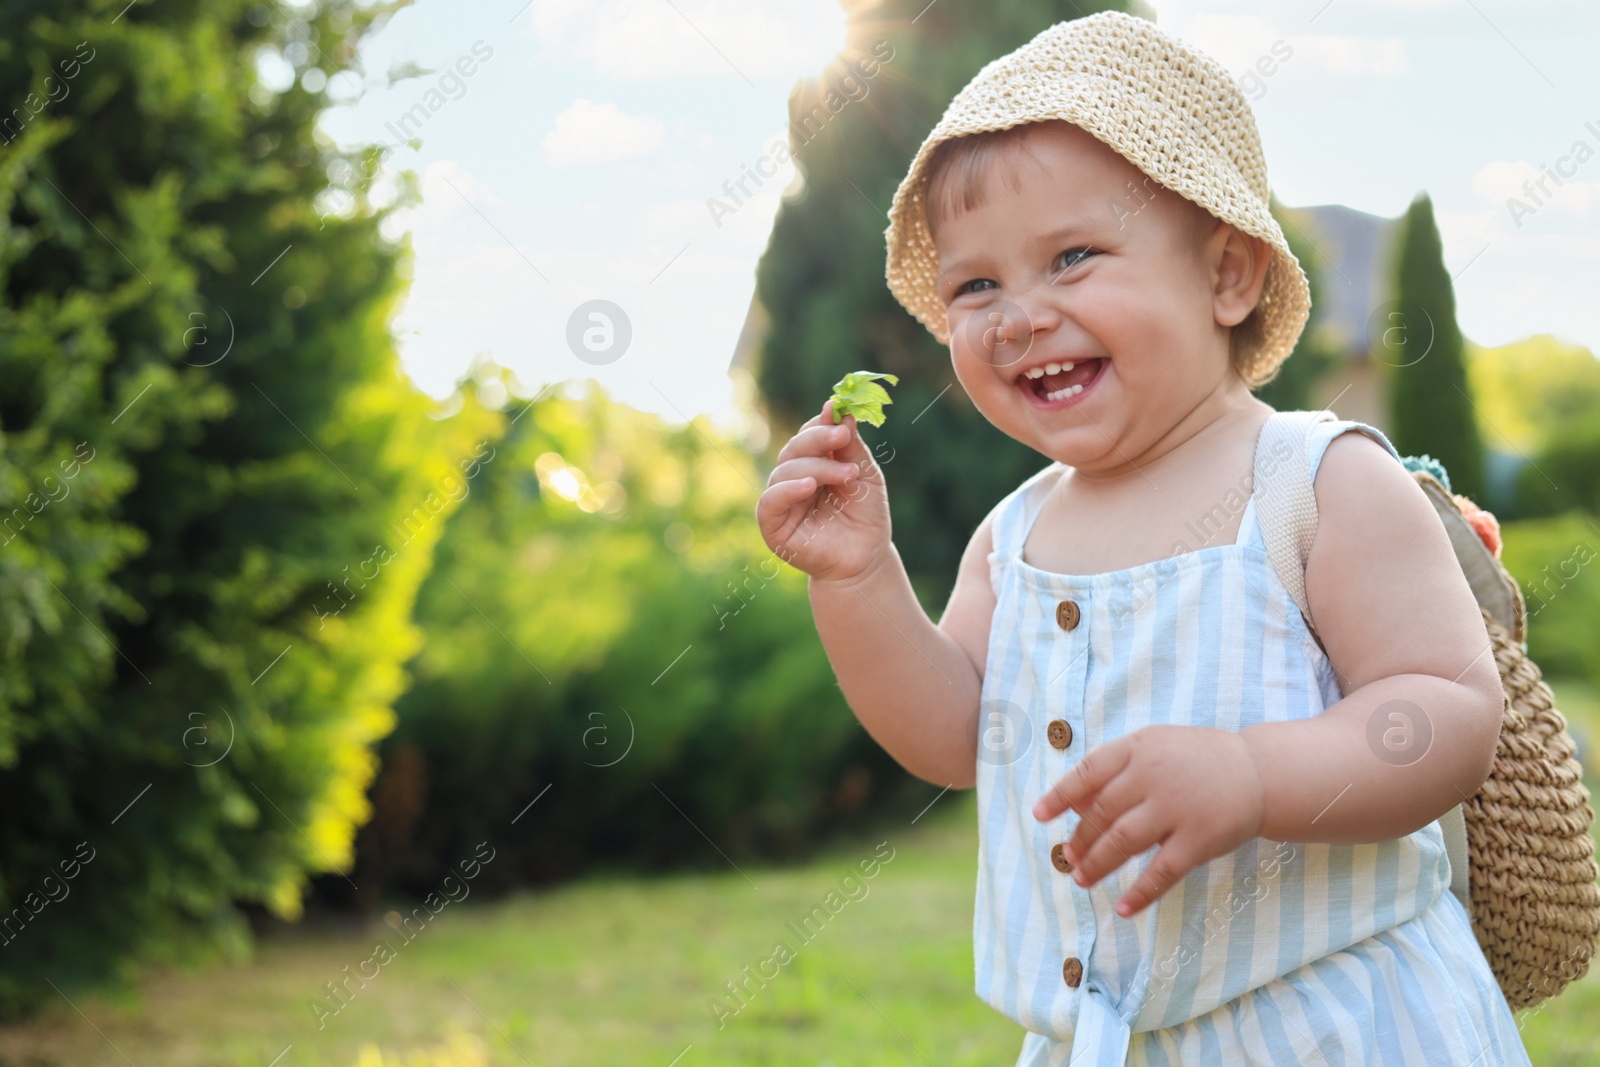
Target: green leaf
{"x":859,"y":395}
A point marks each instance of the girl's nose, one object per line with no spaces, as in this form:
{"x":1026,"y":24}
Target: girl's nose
{"x":1038,"y":307}
{"x":1006,"y":330}
{"x":999,"y":335}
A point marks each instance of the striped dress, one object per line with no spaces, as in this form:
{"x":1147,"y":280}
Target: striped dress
{"x":1277,"y":953}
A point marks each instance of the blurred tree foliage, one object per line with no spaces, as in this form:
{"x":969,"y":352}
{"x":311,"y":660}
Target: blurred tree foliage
{"x":204,"y":443}
{"x":1292,"y":388}
{"x":1421,"y":358}
{"x":1554,"y":560}
{"x":605,"y":622}
{"x":1565,"y":475}
{"x":1541,"y":397}
{"x":1534,"y":389}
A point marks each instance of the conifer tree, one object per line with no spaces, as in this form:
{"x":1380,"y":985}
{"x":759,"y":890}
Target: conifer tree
{"x":1416,"y":342}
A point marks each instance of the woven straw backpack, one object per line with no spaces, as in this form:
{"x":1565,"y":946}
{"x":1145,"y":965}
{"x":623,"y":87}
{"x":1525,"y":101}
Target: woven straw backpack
{"x":1521,"y":858}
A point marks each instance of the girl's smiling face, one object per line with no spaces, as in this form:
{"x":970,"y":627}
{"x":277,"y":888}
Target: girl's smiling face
{"x":1076,"y":257}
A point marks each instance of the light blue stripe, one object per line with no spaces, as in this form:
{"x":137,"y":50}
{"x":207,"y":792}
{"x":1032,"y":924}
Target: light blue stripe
{"x":1340,"y":920}
{"x":1283,"y":1035}
{"x":1383,"y":1034}
{"x":1149,"y":1049}
{"x":1386,"y":901}
{"x":1325,"y":1010}
{"x":1415,"y":1001}
{"x":1210,"y":1047}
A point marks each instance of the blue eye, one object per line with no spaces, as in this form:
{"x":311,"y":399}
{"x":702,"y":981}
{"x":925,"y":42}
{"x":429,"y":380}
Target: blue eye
{"x":1072,"y":260}
{"x":967,"y":287}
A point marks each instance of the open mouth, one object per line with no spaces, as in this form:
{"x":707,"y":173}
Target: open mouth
{"x":1052,"y":382}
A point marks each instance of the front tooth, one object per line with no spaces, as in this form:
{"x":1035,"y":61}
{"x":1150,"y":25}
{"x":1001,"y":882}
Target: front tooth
{"x":1052,"y":368}
{"x":1036,"y":372}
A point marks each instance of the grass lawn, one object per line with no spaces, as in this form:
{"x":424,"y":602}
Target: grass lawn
{"x":603,"y":972}
{"x":614,"y":971}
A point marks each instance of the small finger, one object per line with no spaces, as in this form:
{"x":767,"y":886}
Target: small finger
{"x":781,"y":496}
{"x":1083,"y":781}
{"x":820,"y":470}
{"x":1119,"y":796}
{"x":1162,"y":873}
{"x":1118,"y":840}
{"x":821,"y":439}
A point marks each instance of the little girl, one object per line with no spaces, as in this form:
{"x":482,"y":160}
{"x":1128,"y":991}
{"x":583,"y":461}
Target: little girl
{"x":1198,"y":842}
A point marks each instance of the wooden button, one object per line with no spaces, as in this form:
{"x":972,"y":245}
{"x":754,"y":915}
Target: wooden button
{"x":1060,"y":733}
{"x":1058,"y":856}
{"x":1072,"y":971}
{"x":1067,"y":614}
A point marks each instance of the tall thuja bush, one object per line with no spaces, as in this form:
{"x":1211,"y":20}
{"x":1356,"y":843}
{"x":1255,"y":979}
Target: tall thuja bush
{"x":821,"y":279}
{"x":610,"y":641}
{"x":1423,"y":357}
{"x":204,"y":444}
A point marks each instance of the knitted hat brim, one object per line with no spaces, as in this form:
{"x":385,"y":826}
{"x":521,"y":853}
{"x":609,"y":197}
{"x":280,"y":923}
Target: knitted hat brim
{"x":1169,"y":110}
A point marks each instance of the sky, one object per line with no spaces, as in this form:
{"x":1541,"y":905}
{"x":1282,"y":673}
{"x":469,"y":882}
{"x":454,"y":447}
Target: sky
{"x":569,"y":151}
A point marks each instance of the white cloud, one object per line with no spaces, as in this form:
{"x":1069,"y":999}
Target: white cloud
{"x":1500,"y":181}
{"x":1238,"y":42}
{"x":445,"y":182}
{"x":601,"y":133}
{"x":1353,"y":57}
{"x":725,"y":40}
{"x":1235,"y":41}
{"x":673,"y":219}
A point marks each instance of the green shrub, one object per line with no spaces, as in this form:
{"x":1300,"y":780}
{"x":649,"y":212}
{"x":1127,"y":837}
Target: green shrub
{"x":1556,"y":561}
{"x":203,"y":435}
{"x":1566,"y":474}
{"x":664,"y":695}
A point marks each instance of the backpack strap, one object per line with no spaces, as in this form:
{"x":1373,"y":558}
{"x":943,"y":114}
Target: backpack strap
{"x":1286,"y":509}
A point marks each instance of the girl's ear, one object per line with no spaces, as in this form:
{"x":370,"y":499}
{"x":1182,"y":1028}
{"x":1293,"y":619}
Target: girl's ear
{"x":1238,"y":274}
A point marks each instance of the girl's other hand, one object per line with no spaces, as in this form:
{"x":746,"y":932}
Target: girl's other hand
{"x":829,"y":534}
{"x":1193,"y":790}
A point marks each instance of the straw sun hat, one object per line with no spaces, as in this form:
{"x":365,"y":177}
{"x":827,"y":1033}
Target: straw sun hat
{"x":1171,"y":111}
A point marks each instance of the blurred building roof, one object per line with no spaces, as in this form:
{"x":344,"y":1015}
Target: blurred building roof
{"x":1353,"y":255}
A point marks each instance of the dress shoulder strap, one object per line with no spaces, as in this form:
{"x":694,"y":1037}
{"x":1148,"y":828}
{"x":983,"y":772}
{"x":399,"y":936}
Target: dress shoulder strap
{"x":1286,"y":506}
{"x":1014,"y":512}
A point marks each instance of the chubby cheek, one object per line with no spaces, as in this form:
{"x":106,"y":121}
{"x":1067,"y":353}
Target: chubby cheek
{"x":979,"y":351}
{"x":973,"y":370}
{"x":964,"y":359}
{"x":1139,"y":334}
{"x":966,"y":366}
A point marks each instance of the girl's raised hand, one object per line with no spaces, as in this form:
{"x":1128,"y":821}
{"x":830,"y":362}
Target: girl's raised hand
{"x":1193,"y":790}
{"x":826,"y":508}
